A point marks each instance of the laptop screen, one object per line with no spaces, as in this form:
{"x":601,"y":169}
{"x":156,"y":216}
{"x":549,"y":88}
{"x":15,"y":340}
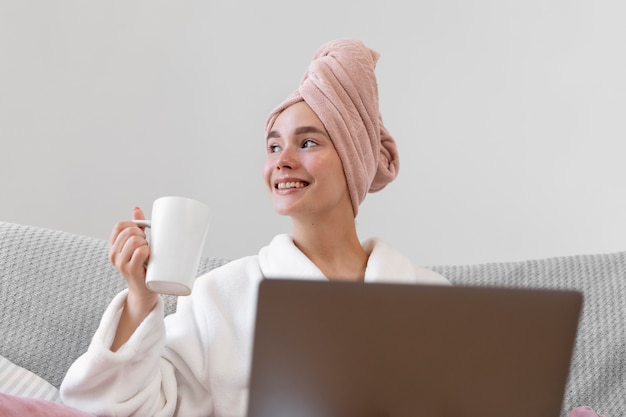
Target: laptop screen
{"x":404,"y":350}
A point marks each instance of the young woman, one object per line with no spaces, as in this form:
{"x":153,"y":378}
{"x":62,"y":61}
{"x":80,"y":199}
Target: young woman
{"x":326,"y":149}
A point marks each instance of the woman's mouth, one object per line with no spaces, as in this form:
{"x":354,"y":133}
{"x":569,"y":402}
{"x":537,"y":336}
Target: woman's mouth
{"x":290,"y":185}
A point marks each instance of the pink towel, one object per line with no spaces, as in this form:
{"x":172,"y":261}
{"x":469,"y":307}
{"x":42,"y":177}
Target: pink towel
{"x":13,"y":406}
{"x":340,"y":87}
{"x":584,"y":411}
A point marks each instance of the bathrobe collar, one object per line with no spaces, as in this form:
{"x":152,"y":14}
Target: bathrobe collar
{"x":282,"y":259}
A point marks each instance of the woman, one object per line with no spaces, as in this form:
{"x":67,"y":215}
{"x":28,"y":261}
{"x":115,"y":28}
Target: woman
{"x":326,"y":148}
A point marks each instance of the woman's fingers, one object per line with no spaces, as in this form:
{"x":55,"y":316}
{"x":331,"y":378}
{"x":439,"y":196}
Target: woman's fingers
{"x":121,"y":226}
{"x":138,"y":214}
{"x":133,"y":254}
{"x":129,"y":250}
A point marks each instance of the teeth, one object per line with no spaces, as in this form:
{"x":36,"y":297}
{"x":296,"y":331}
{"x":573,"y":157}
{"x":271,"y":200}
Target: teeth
{"x":293,"y":184}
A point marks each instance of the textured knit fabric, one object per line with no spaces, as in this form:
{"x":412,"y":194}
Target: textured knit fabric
{"x":340,"y":87}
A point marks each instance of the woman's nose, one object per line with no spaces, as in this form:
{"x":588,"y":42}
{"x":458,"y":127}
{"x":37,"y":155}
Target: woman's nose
{"x":286,"y":159}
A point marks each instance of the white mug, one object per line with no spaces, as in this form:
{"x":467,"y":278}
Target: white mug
{"x":179,"y":227}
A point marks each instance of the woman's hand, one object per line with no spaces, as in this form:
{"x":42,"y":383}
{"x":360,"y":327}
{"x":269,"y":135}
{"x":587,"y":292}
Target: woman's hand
{"x":129,"y":252}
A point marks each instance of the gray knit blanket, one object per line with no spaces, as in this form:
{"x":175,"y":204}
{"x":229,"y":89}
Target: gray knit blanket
{"x":54,"y":287}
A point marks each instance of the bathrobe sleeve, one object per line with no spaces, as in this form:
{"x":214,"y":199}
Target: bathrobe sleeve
{"x":134,"y":381}
{"x":186,"y":373}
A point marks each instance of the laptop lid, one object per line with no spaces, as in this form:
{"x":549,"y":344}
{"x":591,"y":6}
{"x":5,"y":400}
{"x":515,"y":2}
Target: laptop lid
{"x":346,"y":349}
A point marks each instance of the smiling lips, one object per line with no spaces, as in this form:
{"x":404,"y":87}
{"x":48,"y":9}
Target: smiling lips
{"x":291,"y":184}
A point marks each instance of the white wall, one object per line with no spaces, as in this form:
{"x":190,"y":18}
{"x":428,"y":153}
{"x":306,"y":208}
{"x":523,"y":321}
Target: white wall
{"x":509,"y":115}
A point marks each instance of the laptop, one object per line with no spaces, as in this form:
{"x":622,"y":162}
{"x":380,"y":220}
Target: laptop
{"x":345,"y":349}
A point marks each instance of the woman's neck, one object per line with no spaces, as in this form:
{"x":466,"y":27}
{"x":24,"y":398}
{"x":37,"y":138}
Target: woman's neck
{"x":334,"y":247}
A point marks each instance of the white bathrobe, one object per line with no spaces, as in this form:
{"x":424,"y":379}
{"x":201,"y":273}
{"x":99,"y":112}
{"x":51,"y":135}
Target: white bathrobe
{"x":196,"y":362}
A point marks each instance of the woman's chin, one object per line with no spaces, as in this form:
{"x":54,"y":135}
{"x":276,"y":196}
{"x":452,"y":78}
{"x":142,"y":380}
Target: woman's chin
{"x":290,"y":210}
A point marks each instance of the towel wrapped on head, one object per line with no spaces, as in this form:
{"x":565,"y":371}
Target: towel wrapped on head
{"x":340,"y":87}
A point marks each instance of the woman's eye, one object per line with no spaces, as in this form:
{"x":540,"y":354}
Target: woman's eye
{"x":308,"y":143}
{"x":273,"y":148}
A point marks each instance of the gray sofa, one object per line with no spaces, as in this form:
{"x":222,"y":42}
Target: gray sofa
{"x":54,"y":287}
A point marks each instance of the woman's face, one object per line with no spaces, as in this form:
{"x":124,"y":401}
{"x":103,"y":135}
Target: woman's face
{"x":303,"y":171}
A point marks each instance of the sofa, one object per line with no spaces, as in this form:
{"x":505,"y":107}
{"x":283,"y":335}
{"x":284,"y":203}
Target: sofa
{"x":55,"y":285}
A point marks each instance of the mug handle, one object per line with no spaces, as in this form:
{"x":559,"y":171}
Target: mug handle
{"x":143,"y":223}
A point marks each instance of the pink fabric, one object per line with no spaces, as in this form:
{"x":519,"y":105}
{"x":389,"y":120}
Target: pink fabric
{"x":584,"y":412}
{"x":340,"y":87}
{"x":13,"y":406}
